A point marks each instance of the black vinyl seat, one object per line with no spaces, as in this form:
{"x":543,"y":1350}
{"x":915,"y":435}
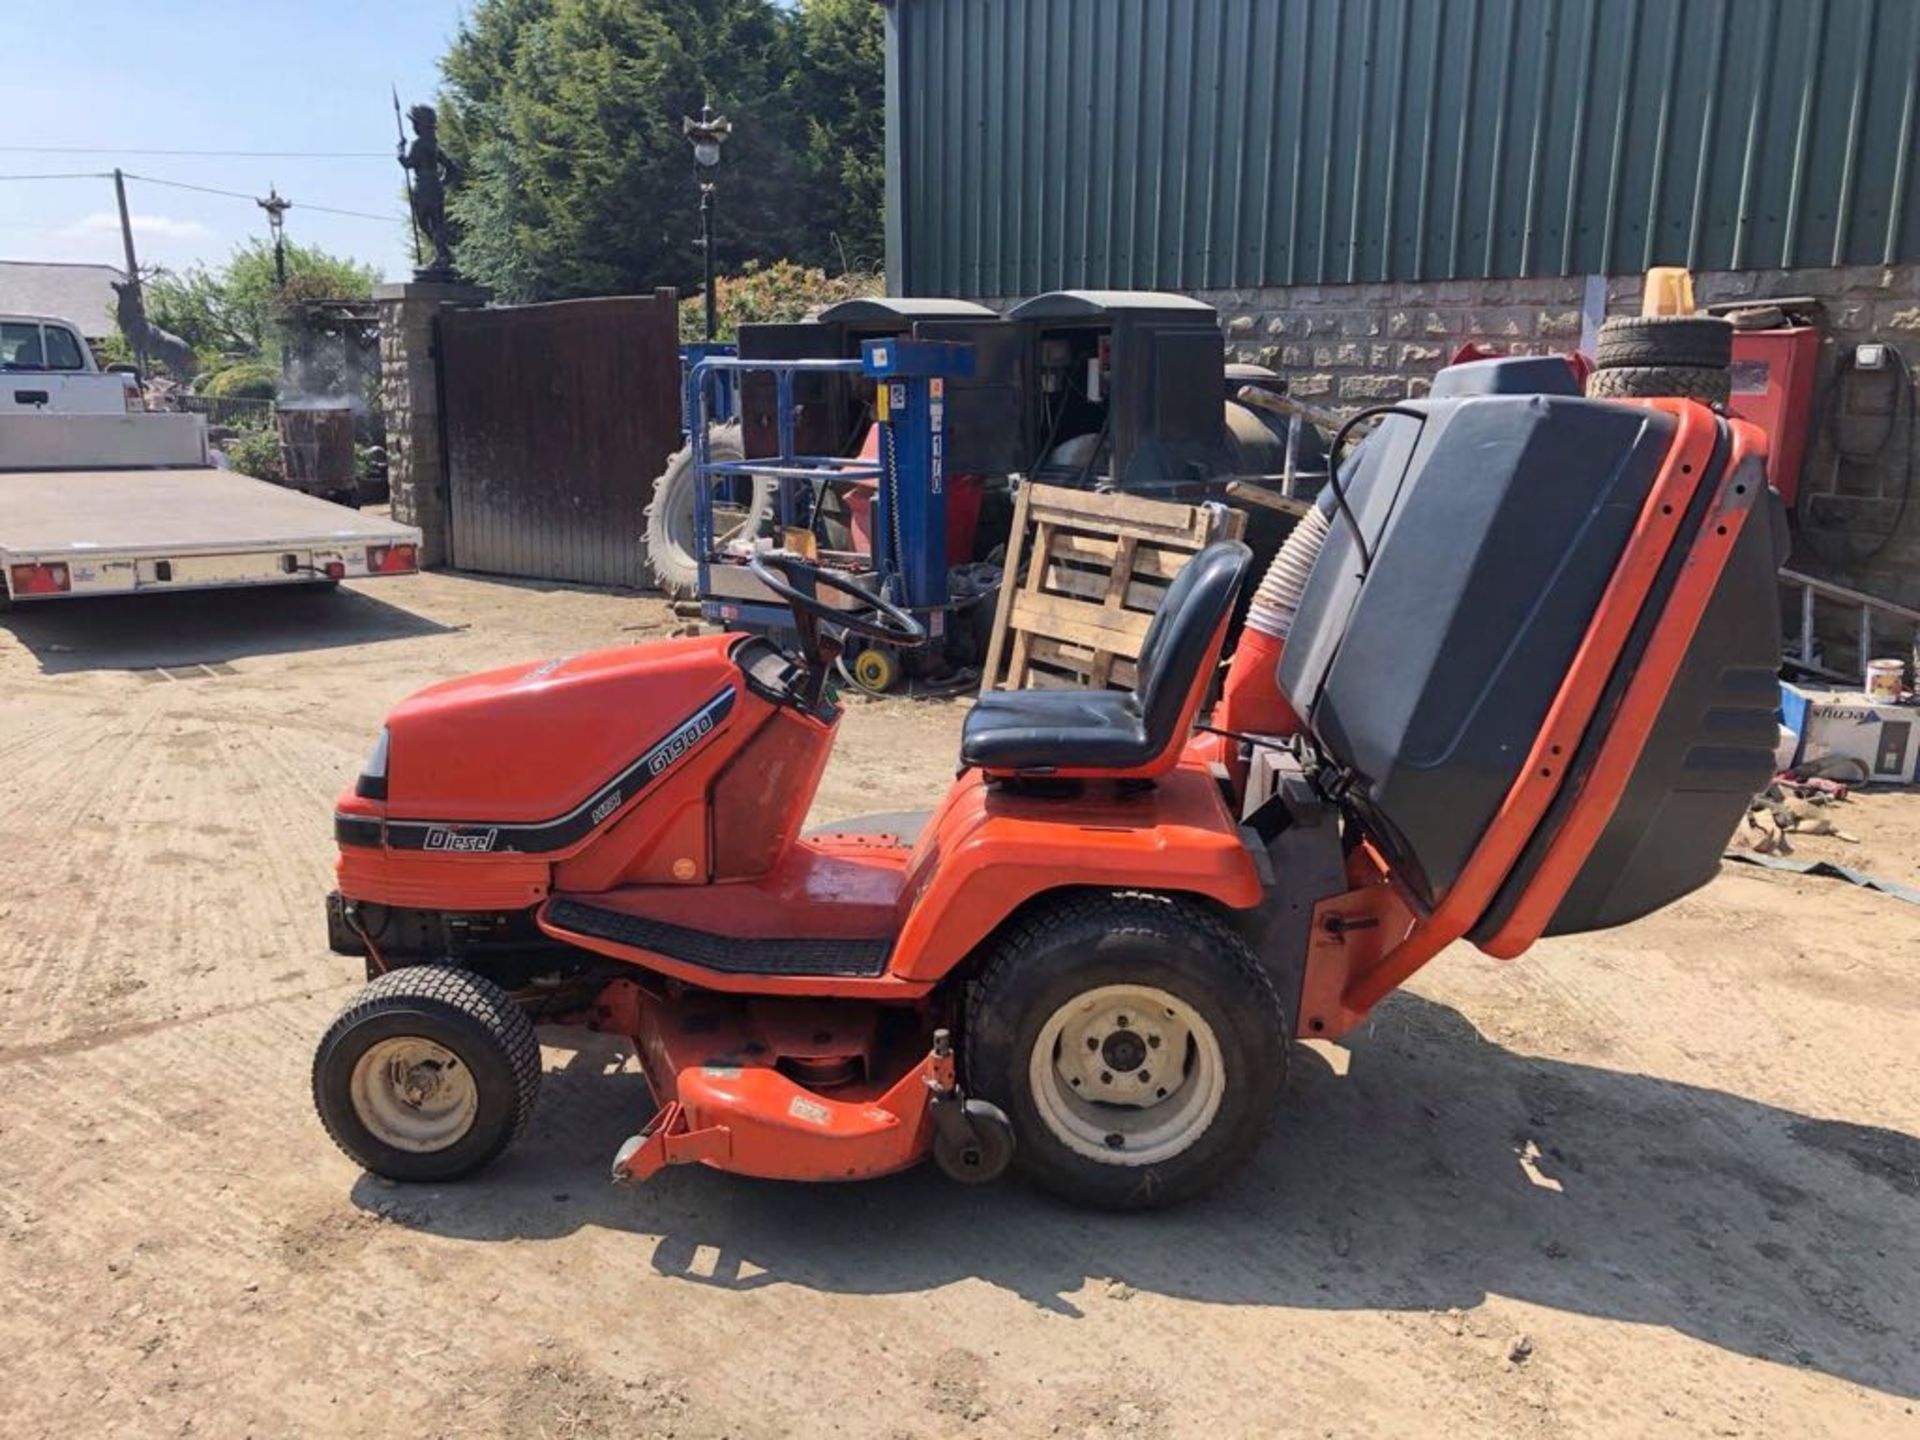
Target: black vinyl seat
{"x":1136,"y":732}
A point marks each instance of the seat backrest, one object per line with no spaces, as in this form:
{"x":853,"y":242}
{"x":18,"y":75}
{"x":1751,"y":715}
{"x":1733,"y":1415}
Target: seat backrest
{"x":1180,"y":642}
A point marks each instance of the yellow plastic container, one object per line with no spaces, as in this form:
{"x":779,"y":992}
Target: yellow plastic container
{"x":1669,"y":291}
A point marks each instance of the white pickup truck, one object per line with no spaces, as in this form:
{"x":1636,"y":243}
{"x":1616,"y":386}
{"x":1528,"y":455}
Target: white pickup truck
{"x":126,"y":504}
{"x":47,"y":368}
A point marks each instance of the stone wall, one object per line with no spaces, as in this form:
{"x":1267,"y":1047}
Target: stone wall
{"x":410,"y":395}
{"x":1354,"y":345}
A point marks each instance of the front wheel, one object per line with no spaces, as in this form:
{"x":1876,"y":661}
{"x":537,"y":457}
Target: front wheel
{"x":427,"y":1074}
{"x":1136,"y":1044}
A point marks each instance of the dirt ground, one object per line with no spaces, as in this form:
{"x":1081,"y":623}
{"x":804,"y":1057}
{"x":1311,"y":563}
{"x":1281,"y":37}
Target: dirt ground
{"x":1661,"y":1181}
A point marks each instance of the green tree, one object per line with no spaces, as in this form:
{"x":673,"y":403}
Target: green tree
{"x":777,"y":292}
{"x":228,"y":313}
{"x":840,"y":88}
{"x":565,"y":116}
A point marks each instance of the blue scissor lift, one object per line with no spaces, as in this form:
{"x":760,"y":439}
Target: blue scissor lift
{"x":908,"y":564}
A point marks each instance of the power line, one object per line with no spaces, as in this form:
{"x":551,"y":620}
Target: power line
{"x":183,"y":185}
{"x":209,"y":154}
{"x":205,"y":190}
{"x":240,"y":195}
{"x":356,"y":214}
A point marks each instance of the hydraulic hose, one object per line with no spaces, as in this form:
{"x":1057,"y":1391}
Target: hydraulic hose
{"x":1338,"y":486}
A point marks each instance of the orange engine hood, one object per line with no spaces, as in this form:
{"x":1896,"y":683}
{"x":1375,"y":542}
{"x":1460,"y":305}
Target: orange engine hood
{"x":531,"y":742}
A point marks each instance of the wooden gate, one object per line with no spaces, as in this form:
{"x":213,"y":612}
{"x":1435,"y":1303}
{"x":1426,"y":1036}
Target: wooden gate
{"x":558,"y":418}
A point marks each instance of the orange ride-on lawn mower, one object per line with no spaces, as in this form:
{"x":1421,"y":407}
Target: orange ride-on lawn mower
{"x":1514,"y":678}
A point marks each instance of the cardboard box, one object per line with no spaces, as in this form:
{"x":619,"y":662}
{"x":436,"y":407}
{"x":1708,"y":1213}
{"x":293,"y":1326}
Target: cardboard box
{"x":1885,"y":738}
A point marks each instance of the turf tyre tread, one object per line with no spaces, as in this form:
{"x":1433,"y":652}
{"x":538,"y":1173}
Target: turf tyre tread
{"x":1629,"y":341}
{"x":475,"y":1013}
{"x":1086,"y":917}
{"x":1682,"y":382}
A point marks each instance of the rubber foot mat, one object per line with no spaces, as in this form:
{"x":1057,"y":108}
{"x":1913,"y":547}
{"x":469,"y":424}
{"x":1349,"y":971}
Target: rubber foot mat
{"x":726,"y":953}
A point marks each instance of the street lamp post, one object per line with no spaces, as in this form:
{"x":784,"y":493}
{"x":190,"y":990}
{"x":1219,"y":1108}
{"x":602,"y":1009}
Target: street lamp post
{"x":276,"y":209}
{"x":706,"y":135}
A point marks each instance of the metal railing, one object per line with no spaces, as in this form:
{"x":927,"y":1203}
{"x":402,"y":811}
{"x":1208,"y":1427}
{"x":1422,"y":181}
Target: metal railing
{"x":229,"y":409}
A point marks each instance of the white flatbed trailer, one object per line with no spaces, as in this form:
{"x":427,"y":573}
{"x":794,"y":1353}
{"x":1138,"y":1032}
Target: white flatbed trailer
{"x":129,"y":504}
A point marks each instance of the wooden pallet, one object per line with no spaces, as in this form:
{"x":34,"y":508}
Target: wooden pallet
{"x":1085,"y":574}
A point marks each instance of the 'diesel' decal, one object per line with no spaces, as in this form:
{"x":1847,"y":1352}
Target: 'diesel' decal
{"x":480,"y":837}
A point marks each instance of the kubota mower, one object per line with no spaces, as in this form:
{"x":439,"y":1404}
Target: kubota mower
{"x":1516,"y":678}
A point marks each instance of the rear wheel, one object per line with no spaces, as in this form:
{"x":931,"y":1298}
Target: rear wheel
{"x":671,"y":543}
{"x":1134,"y":1041}
{"x":427,"y":1074}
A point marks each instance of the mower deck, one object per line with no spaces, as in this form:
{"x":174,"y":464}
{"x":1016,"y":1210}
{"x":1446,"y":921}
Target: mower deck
{"x":818,"y":1090}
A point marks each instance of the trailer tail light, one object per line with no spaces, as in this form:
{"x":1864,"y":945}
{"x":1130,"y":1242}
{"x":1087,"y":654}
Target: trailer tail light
{"x":392,"y":559}
{"x":336,"y":569}
{"x":41,"y":579}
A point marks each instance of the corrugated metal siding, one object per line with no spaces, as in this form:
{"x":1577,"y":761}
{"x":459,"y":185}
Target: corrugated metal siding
{"x":1200,"y":144}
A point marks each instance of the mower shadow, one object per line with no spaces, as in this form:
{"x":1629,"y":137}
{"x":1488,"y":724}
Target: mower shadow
{"x":206,"y":627}
{"x":1442,"y":1169}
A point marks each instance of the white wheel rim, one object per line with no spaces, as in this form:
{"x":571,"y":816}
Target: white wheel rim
{"x":1127,"y":1075}
{"x":413,"y":1094}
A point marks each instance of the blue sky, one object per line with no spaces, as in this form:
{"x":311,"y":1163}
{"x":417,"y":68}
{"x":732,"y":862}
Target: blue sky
{"x":124,"y":76}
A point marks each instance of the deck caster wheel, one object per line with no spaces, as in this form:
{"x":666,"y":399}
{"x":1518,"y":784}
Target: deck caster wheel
{"x":1135,"y":1043}
{"x":875,"y":669}
{"x":427,"y":1074}
{"x":976,"y":1146}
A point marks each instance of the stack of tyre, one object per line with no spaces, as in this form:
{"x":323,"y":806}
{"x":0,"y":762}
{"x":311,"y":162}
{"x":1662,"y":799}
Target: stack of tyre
{"x":1683,"y":356}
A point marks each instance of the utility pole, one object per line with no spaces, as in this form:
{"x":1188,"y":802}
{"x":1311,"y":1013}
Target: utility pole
{"x":133,"y":273}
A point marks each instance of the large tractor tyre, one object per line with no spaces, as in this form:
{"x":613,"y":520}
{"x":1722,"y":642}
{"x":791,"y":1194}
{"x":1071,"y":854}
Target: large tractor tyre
{"x":427,"y":1074}
{"x":1684,"y":382}
{"x":1638,"y":340}
{"x":1135,"y":1043}
{"x":670,"y":539}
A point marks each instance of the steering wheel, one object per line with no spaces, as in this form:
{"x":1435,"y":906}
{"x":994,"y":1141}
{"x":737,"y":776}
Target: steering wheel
{"x":798,"y":582}
{"x":873,"y":618}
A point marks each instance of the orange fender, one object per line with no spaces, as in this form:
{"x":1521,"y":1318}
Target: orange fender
{"x":992,"y":848}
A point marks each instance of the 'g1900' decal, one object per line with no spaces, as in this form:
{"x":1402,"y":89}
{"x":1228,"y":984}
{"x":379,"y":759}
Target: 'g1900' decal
{"x":679,"y":743}
{"x":481,"y":837}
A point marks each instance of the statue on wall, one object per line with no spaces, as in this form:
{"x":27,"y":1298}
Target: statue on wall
{"x":429,"y":172}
